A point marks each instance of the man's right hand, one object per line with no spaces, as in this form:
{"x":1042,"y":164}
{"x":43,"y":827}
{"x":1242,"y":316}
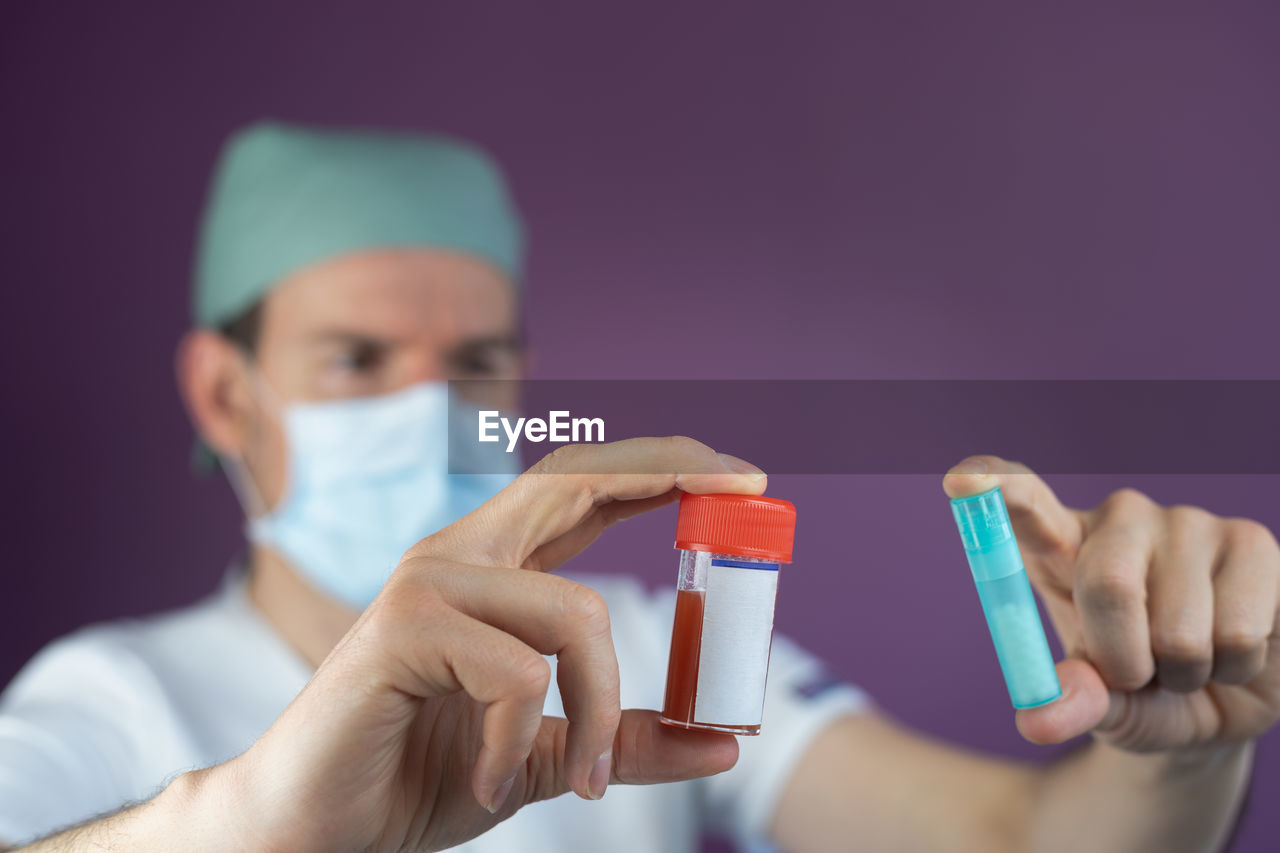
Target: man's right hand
{"x":424,"y":727}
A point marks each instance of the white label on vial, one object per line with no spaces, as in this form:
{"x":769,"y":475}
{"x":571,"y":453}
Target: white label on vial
{"x":737,"y":625}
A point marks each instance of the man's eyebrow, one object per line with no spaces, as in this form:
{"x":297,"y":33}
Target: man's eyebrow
{"x":503,"y":341}
{"x":347,"y":336}
{"x":354,"y":336}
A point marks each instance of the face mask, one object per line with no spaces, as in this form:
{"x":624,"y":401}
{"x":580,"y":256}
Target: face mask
{"x":369,"y":477}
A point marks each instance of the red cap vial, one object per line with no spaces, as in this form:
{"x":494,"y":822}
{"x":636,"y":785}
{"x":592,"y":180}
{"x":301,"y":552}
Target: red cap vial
{"x":730,"y":550}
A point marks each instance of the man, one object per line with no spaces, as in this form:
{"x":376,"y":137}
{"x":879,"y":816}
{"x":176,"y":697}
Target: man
{"x":342,"y":277}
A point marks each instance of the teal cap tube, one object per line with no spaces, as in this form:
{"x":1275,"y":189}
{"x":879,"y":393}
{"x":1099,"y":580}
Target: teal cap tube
{"x":1007,"y":600}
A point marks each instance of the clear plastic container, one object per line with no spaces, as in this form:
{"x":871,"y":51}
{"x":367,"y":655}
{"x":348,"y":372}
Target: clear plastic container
{"x":731,"y":550}
{"x":1007,"y":600}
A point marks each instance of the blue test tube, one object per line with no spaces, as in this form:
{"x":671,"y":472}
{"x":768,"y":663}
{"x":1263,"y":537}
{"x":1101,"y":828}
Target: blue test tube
{"x":1007,"y":600}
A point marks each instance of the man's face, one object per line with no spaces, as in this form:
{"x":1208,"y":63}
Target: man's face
{"x":371,"y":323}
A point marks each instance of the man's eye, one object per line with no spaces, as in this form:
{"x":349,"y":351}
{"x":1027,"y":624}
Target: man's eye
{"x":483,"y":362}
{"x":361,"y":358}
{"x":476,"y":364}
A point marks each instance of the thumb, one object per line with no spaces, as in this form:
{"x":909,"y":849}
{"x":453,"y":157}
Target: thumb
{"x":1085,"y":703}
{"x":644,"y":752}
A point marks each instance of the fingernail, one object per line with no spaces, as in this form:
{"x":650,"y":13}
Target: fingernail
{"x":599,"y":779}
{"x":971,"y":466}
{"x":740,"y":466}
{"x":501,"y":794}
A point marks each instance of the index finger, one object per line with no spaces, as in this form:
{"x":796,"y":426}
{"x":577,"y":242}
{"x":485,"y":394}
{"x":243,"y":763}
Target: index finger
{"x":1040,"y":520}
{"x":644,"y":467}
{"x":573,"y":483}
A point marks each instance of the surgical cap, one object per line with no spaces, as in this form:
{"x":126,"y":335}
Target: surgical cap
{"x":285,"y":196}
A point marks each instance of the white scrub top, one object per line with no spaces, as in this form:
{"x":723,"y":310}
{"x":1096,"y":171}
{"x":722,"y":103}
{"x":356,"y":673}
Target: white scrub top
{"x":110,"y":714}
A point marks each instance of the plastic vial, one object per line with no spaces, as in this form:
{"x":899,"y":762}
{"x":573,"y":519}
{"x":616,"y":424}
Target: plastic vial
{"x":1007,"y":600}
{"x":730,"y":549}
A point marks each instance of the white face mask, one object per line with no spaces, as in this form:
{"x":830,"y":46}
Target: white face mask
{"x":369,"y":477}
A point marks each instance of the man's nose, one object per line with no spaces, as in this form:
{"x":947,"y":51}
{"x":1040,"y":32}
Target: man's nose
{"x":426,"y":369}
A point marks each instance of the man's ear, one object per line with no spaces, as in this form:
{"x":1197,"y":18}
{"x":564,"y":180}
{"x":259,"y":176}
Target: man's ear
{"x":213,"y":381}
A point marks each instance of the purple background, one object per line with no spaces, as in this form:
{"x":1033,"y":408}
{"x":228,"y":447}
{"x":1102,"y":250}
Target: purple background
{"x":868,"y":190}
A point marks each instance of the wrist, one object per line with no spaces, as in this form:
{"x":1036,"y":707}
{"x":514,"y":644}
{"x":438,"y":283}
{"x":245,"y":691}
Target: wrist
{"x":1184,"y":764}
{"x":203,"y":811}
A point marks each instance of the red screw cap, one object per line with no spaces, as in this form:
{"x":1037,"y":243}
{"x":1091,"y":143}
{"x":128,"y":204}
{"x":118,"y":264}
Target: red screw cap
{"x":746,"y":525}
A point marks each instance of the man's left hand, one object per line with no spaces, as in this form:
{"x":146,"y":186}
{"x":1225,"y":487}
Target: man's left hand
{"x":1167,"y":615}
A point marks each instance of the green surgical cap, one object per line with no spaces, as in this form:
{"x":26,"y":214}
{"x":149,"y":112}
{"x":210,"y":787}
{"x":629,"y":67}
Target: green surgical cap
{"x":284,"y":197}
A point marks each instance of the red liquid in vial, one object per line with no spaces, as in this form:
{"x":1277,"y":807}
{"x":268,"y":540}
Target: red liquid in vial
{"x":682,"y":669}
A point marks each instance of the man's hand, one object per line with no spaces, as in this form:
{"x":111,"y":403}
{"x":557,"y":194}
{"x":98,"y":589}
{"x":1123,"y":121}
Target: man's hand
{"x":424,"y":727}
{"x":1167,"y":615}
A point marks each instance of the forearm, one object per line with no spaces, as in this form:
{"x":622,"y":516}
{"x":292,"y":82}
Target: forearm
{"x":135,"y":828}
{"x":184,"y":816}
{"x":1103,"y":798}
{"x":868,"y":783}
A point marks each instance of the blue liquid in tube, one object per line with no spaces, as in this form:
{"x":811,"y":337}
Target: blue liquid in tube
{"x":1007,"y":600}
